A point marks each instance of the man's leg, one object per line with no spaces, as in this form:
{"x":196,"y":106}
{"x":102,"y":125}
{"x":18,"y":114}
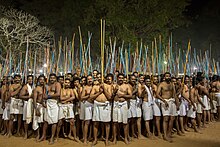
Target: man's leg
{"x":60,"y":123}
{"x":199,"y":117}
{"x":218,"y":108}
{"x":147,"y":125}
{"x":86,"y":127}
{"x":107,"y":130}
{"x":181,"y":124}
{"x":170,"y":125}
{"x":53,"y":131}
{"x":204,"y":118}
{"x":11,"y":122}
{"x":165,"y":128}
{"x":73,"y":129}
{"x":125,"y":126}
{"x":95,"y":131}
{"x":158,"y":126}
{"x":140,"y":136}
{"x":25,"y":130}
{"x":43,"y":137}
{"x":114,"y":130}
{"x":19,"y":124}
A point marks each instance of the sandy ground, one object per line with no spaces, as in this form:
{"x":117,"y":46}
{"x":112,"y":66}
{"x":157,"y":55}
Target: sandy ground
{"x":210,"y":137}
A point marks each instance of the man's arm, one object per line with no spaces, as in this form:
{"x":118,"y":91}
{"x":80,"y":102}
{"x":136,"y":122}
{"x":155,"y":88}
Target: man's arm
{"x":12,"y":92}
{"x":35,"y":98}
{"x":93,"y":95}
{"x":159,"y":88}
{"x":23,"y":92}
{"x":56,"y":95}
{"x":107,"y":92}
{"x":83,"y":96}
{"x":72,"y":96}
{"x":184,"y":94}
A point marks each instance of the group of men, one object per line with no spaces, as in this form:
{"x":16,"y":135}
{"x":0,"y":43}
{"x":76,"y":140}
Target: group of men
{"x":112,"y":107}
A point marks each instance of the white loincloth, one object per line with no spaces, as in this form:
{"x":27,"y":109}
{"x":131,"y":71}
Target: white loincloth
{"x":51,"y":113}
{"x":16,"y":106}
{"x":66,"y":111}
{"x":102,"y":111}
{"x":1,"y":110}
{"x":38,"y":119}
{"x":25,"y":110}
{"x":6,"y":111}
{"x":138,"y":107}
{"x":132,"y":112}
{"x":191,"y":113}
{"x":120,"y":112}
{"x":183,"y":108}
{"x":147,"y":111}
{"x":156,"y":107}
{"x":88,"y":110}
{"x":206,"y":102}
{"x":171,"y":109}
{"x":218,"y":98}
{"x":29,"y":114}
{"x":82,"y":110}
{"x":215,"y":107}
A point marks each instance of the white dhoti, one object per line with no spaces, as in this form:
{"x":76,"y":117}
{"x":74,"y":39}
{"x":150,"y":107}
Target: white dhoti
{"x":192,"y":113}
{"x":88,"y":109}
{"x":102,"y":111}
{"x":171,"y":109}
{"x":38,"y":119}
{"x":138,"y":109}
{"x":82,"y":110}
{"x":218,"y":99}
{"x":51,"y":113}
{"x":132,"y":111}
{"x":206,"y":102}
{"x":120,"y":112}
{"x":215,"y":107}
{"x":16,"y":106}
{"x":6,"y":111}
{"x":147,"y":111}
{"x":66,"y":111}
{"x":1,"y":110}
{"x":183,"y":108}
{"x":25,"y":110}
{"x":29,"y":114}
{"x":156,"y":107}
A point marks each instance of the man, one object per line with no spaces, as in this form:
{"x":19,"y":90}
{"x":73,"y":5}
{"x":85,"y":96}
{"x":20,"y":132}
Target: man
{"x":122,"y":94}
{"x":26,"y":96}
{"x":51,"y":113}
{"x":156,"y":106}
{"x":147,"y":107}
{"x":102,"y":95}
{"x":86,"y":107}
{"x":194,"y":98}
{"x":39,"y":105}
{"x":66,"y":109}
{"x":132,"y":109}
{"x":2,"y":89}
{"x":216,"y":84}
{"x":184,"y":104}
{"x":16,"y":105}
{"x":167,"y":94}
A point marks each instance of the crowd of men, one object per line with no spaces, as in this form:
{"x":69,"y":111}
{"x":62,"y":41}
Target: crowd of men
{"x":111,"y":108}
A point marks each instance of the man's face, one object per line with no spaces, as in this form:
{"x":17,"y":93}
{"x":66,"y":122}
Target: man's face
{"x":69,"y":76}
{"x":61,"y":80}
{"x":94,"y":73}
{"x":53,"y":79}
{"x":120,"y":79}
{"x":17,"y":80}
{"x":174,"y":81}
{"x":141,"y":79}
{"x":109,"y":80}
{"x":186,"y":81}
{"x":67,"y":83}
{"x":155,"y":80}
{"x":83,"y":81}
{"x":89,"y":80}
{"x":148,"y":82}
{"x":30,"y":80}
{"x":99,"y":78}
{"x":133,"y":80}
{"x":76,"y":83}
{"x":41,"y":81}
{"x":167,"y":78}
{"x":4,"y":80}
{"x":125,"y":80}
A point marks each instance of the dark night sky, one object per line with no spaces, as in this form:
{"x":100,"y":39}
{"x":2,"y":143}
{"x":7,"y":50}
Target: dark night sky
{"x":203,"y":30}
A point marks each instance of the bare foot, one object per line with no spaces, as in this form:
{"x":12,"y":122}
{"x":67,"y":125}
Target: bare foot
{"x":126,"y":141}
{"x":51,"y":141}
{"x":9,"y":135}
{"x":94,"y":142}
{"x":42,"y":139}
{"x":77,"y":140}
{"x":25,"y":136}
{"x":85,"y":142}
{"x":64,"y":134}
{"x":71,"y":137}
{"x":180,"y":134}
{"x":107,"y":143}
{"x":160,"y":136}
{"x":141,"y":137}
{"x":168,"y":139}
{"x":114,"y":141}
{"x":37,"y":138}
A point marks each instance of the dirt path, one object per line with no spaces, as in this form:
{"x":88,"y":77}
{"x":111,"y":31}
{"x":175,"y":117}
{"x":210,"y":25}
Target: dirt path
{"x":209,"y":138}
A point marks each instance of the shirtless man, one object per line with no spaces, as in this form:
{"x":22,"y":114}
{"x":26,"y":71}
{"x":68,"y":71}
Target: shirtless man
{"x":102,"y":95}
{"x":5,"y":96}
{"x":147,"y":106}
{"x":156,"y":107}
{"x":39,"y":105}
{"x":25,"y":95}
{"x":3,"y":84}
{"x":194,"y":98}
{"x":86,"y":107}
{"x":216,"y":84}
{"x":51,"y":113}
{"x":16,"y":106}
{"x":185,"y":102}
{"x":167,"y":94}
{"x":66,"y":109}
{"x":122,"y":93}
{"x":132,"y":111}
{"x":204,"y":94}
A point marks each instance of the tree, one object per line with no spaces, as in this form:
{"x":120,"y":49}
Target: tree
{"x":16,"y":27}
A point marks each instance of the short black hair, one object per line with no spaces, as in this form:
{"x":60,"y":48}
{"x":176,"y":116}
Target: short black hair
{"x":147,"y":77}
{"x":120,"y":74}
{"x":52,"y":74}
{"x":76,"y":79}
{"x":30,"y":76}
{"x":167,"y":73}
{"x":41,"y":76}
{"x":17,"y":75}
{"x":110,"y":75}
